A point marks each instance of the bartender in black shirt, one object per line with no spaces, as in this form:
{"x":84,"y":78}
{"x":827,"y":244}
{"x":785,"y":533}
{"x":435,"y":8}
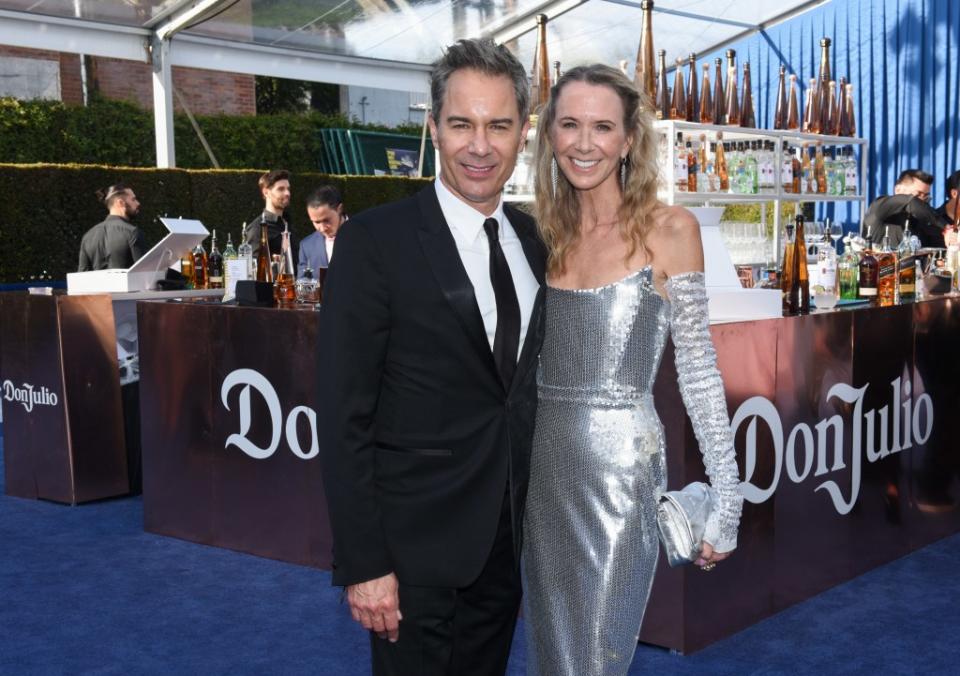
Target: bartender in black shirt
{"x":114,"y":242}
{"x":948,"y":210}
{"x":275,"y":188}
{"x":910,"y":199}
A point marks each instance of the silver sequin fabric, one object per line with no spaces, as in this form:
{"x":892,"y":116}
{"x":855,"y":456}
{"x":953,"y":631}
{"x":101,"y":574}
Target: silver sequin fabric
{"x":599,"y":466}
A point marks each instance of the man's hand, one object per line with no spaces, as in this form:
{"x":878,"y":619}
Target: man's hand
{"x":376,"y":605}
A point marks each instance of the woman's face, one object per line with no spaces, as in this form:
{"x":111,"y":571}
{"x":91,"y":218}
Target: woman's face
{"x":588,"y":136}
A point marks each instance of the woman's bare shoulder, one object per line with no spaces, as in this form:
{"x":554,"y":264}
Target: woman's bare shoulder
{"x":676,"y":242}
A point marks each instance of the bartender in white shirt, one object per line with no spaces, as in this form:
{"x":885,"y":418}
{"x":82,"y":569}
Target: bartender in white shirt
{"x":325,"y":209}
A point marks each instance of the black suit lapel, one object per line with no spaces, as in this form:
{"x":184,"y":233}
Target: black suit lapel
{"x":536,"y":254}
{"x":444,"y":260}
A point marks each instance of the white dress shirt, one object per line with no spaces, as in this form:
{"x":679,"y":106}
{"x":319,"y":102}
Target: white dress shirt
{"x":328,"y":244}
{"x":466,"y":224}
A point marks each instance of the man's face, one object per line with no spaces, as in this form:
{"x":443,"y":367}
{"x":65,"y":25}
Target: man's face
{"x":915,"y":187}
{"x":326,"y":219}
{"x":277,"y":195}
{"x":478,"y":136}
{"x":131,"y":205}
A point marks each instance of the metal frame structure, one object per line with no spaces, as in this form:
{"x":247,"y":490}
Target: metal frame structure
{"x":162,"y":43}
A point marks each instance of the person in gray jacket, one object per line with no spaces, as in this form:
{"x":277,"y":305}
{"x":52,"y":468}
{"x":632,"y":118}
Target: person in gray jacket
{"x":114,"y":242}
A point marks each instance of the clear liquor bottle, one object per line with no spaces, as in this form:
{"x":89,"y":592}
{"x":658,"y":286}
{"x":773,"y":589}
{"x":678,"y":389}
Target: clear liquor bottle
{"x":245,"y":252}
{"x":681,"y":178}
{"x":786,"y":170}
{"x":825,"y":293}
{"x":848,"y":268}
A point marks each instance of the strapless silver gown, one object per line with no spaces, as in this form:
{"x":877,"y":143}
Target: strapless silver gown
{"x":598,"y":466}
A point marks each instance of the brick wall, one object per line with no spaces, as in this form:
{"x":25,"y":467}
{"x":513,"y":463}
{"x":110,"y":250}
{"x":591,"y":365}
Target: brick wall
{"x":207,"y":92}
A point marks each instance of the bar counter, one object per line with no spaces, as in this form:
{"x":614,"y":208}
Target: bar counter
{"x":844,"y":425}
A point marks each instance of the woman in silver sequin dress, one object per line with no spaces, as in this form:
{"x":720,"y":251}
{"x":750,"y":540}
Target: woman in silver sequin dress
{"x":625,"y":272}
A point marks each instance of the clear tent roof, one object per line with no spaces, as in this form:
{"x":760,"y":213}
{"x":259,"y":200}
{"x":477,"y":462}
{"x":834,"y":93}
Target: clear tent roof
{"x":415,"y":31}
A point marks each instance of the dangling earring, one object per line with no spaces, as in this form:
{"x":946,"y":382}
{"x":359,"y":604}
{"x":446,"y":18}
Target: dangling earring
{"x":553,"y":174}
{"x":623,"y":174}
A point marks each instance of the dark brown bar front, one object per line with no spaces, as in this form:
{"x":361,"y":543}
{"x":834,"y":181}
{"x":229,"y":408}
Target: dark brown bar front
{"x":844,"y":427}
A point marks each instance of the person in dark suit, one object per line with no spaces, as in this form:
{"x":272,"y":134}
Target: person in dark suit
{"x":948,"y":210}
{"x":325,"y":209}
{"x":429,"y":333}
{"x":910,"y":200}
{"x":114,"y":242}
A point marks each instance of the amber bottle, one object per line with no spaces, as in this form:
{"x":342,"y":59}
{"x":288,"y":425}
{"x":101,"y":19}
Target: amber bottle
{"x":747,"y":116}
{"x":540,"y":73}
{"x":719,"y":109}
{"x":663,"y":91}
{"x":706,"y":100}
{"x":793,"y":115}
{"x":693,"y":90}
{"x":780,"y":110}
{"x":645,"y":75}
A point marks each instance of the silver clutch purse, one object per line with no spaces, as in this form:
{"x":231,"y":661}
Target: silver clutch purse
{"x":682,"y":518}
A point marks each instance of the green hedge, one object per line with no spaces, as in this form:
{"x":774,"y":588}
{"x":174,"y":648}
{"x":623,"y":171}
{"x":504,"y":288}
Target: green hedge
{"x":118,"y":133}
{"x":45,"y":209}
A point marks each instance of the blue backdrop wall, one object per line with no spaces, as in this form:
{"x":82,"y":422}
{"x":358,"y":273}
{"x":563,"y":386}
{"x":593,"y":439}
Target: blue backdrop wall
{"x":903,"y":58}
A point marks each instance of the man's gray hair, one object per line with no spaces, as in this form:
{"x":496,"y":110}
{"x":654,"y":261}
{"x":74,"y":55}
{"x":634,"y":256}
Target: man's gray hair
{"x":482,"y":55}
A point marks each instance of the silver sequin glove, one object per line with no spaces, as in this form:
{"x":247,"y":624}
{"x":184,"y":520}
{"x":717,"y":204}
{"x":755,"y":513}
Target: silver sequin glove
{"x":702,"y":390}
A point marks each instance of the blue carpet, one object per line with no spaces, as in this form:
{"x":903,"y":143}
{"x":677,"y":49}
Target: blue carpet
{"x":84,"y":590}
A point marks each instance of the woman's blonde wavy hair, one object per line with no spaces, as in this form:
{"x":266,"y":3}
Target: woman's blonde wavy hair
{"x":558,"y":215}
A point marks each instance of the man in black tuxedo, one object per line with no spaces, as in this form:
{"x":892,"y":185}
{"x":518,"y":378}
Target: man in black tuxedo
{"x":429,"y":334}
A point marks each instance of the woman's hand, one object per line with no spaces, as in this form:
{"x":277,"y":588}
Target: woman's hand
{"x":708,"y":558}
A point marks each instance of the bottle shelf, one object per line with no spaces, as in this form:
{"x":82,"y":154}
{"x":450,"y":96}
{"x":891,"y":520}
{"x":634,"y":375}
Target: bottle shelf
{"x":734,"y":133}
{"x":722,"y":197}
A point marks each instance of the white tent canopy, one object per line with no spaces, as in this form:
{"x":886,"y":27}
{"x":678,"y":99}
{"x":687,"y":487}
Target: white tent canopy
{"x":386,"y":44}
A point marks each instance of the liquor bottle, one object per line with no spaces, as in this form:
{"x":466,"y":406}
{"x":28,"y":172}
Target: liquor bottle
{"x":713,"y":178}
{"x":867,"y":277}
{"x":797,"y":171}
{"x":681,"y":178}
{"x":245,"y":252}
{"x":540,"y":72}
{"x":691,"y":168}
{"x":752,"y":166}
{"x":702,"y":163}
{"x":789,"y":287}
{"x":720,"y":164}
{"x":199,"y":266}
{"x":847,"y":268}
{"x":719,"y":104}
{"x":807,"y":180}
{"x":800,"y":264}
{"x":738,"y":168}
{"x":840,"y":105}
{"x":831,"y":117}
{"x":825,"y":292}
{"x":906,"y":268}
{"x":732,"y":102}
{"x":819,"y":170}
{"x":284,"y":289}
{"x":678,"y":105}
{"x":186,"y":269}
{"x":663,"y":91}
{"x":811,"y":116}
{"x":793,"y":114}
{"x":748,"y":117}
{"x":886,"y":272}
{"x":705,"y":114}
{"x":786,"y":170}
{"x":215,"y":265}
{"x":229,"y":252}
{"x":851,"y":119}
{"x":780,"y":110}
{"x":851,"y":174}
{"x":644,"y":78}
{"x":823,"y":86}
{"x":693,"y":90}
{"x":556,"y":72}
{"x":831,"y":164}
{"x":264,"y":271}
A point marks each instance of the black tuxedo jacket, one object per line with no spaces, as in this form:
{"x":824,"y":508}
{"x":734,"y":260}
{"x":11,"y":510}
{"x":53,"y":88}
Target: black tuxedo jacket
{"x":421,"y":438}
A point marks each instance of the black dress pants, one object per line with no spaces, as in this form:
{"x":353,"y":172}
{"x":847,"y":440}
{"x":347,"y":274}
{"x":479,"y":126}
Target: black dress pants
{"x":457,"y":631}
